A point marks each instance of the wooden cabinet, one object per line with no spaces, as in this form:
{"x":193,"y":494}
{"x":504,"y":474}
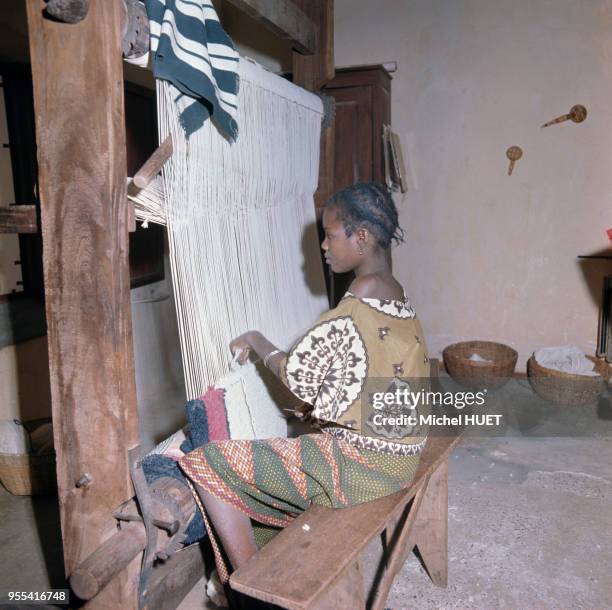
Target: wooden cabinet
{"x":363,"y":106}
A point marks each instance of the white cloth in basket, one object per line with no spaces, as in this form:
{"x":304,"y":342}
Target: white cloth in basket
{"x":567,"y":359}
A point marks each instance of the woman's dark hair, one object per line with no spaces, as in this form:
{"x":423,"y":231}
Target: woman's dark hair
{"x":369,"y":205}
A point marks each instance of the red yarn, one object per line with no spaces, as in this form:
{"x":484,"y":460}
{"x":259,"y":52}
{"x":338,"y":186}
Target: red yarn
{"x":216,"y":415}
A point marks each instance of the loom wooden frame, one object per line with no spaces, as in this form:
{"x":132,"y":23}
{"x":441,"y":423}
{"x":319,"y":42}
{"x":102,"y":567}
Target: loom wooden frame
{"x":78,"y":97}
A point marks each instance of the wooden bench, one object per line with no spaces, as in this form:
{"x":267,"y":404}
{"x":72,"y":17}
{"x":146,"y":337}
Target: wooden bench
{"x":315,"y":563}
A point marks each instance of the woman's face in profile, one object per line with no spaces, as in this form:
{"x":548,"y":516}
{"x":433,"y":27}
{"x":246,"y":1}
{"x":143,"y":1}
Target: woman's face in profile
{"x":341,"y":252}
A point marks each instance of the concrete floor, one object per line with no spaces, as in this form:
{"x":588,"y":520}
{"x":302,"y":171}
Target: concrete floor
{"x":530,"y":526}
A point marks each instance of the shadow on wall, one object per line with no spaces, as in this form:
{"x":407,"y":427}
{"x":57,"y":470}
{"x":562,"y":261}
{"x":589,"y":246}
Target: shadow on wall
{"x":24,"y":380}
{"x":157,"y":356}
{"x":594,"y":269}
{"x":313,"y":264}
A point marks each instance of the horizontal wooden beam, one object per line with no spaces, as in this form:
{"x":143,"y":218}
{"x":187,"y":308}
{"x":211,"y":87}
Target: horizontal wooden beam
{"x":18,"y":219}
{"x":172,"y":580}
{"x":285,"y":19}
{"x":112,"y":557}
{"x":314,"y":71}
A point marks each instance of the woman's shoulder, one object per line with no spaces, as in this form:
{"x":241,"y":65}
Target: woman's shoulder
{"x":375,"y":286}
{"x":389,"y":304}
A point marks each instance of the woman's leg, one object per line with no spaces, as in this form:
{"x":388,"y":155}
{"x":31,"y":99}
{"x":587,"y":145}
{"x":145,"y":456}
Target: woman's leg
{"x":232,"y":526}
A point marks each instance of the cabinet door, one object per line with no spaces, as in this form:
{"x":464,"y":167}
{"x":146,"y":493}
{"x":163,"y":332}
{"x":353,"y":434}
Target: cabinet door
{"x":353,"y":157}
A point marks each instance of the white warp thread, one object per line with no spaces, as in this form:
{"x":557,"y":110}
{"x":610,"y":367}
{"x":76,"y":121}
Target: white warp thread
{"x":149,"y":203}
{"x":241,"y":222}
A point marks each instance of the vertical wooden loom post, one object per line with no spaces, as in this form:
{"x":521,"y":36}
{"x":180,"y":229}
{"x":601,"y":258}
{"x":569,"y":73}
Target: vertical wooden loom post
{"x":313,"y":72}
{"x":80,"y":135}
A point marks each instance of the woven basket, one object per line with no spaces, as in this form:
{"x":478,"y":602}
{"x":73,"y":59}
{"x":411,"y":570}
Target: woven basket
{"x":24,"y":474}
{"x":475,"y":374}
{"x":566,"y":388}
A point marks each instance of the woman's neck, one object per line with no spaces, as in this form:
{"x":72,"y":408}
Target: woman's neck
{"x":379,"y":262}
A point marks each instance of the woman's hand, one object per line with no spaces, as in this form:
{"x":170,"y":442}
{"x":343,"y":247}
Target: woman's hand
{"x":250,"y":341}
{"x":242,"y":345}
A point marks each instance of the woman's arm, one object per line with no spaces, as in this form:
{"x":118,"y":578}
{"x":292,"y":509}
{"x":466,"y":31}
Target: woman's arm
{"x":254,"y":340}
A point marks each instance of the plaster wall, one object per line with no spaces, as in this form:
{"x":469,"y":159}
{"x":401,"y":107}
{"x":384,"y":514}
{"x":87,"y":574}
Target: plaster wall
{"x":488,"y":256}
{"x":157,"y":353}
{"x":24,"y":380}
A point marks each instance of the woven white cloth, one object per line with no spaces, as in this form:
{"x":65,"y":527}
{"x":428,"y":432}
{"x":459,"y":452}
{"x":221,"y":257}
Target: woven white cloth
{"x":251,"y":410}
{"x":567,"y":359}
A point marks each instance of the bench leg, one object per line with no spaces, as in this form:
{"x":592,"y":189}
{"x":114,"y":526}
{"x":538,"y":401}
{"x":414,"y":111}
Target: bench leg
{"x":430,"y":530}
{"x":426,"y":526}
{"x":347,"y":592}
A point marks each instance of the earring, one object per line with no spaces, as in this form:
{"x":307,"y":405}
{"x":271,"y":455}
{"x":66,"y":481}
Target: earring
{"x":360,"y":250}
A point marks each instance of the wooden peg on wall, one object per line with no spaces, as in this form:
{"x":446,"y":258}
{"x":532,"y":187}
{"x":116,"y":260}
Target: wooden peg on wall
{"x":577,"y":114}
{"x":514,"y":153}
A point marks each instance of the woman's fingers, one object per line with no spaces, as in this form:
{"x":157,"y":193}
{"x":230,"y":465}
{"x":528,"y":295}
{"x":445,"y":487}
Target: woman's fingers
{"x":240,"y":348}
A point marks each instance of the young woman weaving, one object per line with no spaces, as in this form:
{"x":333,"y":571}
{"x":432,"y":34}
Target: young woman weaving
{"x":250,"y":489}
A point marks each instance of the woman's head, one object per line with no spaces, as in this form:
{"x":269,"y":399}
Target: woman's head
{"x":359,"y":219}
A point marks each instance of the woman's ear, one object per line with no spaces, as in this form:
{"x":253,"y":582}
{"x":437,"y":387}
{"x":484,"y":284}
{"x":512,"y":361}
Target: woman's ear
{"x":363,"y":235}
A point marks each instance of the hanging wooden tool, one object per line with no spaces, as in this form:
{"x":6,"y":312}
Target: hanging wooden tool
{"x":577,"y":113}
{"x":514,"y":153}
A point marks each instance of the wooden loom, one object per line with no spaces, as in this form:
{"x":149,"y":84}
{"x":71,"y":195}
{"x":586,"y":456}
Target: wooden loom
{"x":78,"y":96}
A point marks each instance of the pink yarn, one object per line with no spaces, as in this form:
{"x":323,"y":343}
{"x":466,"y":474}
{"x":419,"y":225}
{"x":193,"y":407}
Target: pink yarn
{"x":216,"y":415}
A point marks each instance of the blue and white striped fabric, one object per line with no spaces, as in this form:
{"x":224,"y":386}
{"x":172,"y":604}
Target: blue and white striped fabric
{"x":191,"y":50}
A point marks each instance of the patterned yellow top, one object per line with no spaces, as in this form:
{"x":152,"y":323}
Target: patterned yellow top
{"x":362,"y":340}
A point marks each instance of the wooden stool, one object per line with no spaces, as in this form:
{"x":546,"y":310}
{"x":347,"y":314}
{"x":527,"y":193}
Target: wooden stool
{"x":318,"y":567}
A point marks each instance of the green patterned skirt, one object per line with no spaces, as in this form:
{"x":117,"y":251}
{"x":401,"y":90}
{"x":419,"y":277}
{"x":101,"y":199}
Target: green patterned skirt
{"x":274,"y":480}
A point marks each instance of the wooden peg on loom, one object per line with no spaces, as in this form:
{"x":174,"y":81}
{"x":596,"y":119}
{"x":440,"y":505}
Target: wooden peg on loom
{"x":153,"y":164}
{"x":146,"y":173}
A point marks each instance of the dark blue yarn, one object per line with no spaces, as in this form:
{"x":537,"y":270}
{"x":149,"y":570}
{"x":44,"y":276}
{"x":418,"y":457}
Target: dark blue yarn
{"x":198,"y":426}
{"x":156,"y":466}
